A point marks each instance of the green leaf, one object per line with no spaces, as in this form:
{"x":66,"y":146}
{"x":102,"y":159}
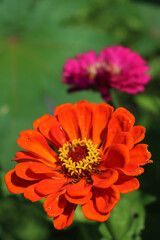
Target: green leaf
{"x":127,"y":218}
{"x":148,"y":102}
{"x":154,"y":65}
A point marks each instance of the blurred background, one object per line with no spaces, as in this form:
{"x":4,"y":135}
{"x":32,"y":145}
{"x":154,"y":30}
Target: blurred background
{"x":36,"y":37}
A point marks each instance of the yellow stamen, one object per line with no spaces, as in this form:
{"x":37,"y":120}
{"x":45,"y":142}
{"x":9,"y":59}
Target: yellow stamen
{"x":87,"y":165}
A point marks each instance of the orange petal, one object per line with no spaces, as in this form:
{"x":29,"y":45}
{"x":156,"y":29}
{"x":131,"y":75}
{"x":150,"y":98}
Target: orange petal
{"x":16,"y":184}
{"x":91,"y":212}
{"x":138,"y":133}
{"x":69,"y":122}
{"x":62,"y":106}
{"x":53,"y":131}
{"x":125,"y":119}
{"x":102,"y":114}
{"x":121,"y":121}
{"x":116,"y":157}
{"x":84,"y":115}
{"x":31,"y":194}
{"x":40,"y":168}
{"x":38,"y":121}
{"x":106,"y":199}
{"x":132,"y":170}
{"x":50,"y":185}
{"x":105,"y":179}
{"x":139,"y":156}
{"x":45,"y":128}
{"x":37,"y":167}
{"x":23,"y":156}
{"x":34,"y":142}
{"x":126,"y":184}
{"x":124,"y":138}
{"x":57,"y":134}
{"x":66,"y":218}
{"x":51,"y":197}
{"x":36,"y":171}
{"x":56,"y":206}
{"x":79,"y":189}
{"x":22,"y":170}
{"x":79,"y":200}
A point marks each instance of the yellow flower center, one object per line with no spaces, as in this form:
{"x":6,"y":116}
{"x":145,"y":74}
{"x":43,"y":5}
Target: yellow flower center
{"x":91,"y":70}
{"x":115,"y":70}
{"x":79,"y":159}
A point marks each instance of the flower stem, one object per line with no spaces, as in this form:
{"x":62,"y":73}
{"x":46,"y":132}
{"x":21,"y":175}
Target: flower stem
{"x":110,"y":229}
{"x":115,"y":100}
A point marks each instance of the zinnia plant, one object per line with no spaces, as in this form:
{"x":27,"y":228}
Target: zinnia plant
{"x":115,"y":67}
{"x":85,"y":154}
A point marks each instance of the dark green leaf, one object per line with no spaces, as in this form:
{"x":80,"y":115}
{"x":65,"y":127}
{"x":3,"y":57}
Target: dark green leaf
{"x":127,"y":218}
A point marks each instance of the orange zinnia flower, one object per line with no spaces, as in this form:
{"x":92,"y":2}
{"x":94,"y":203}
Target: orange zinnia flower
{"x":85,"y":154}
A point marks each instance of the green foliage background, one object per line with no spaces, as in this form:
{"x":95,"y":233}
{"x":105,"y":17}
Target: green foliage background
{"x":36,"y":37}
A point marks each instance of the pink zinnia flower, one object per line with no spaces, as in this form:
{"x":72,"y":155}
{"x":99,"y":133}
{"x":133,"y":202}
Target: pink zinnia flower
{"x":81,"y":72}
{"x":126,"y":69}
{"x":115,"y":67}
